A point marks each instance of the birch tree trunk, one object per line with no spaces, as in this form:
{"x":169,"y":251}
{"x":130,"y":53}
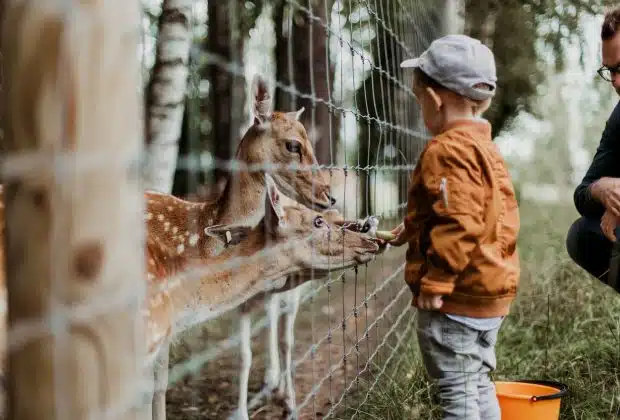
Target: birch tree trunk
{"x":165,"y":109}
{"x":166,"y":93}
{"x":74,"y":250}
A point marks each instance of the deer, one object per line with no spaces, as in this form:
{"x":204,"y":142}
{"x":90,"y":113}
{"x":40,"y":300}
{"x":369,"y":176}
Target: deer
{"x":273,"y":138}
{"x":314,"y":245}
{"x":286,"y":144}
{"x":278,"y":380}
{"x":290,"y":296}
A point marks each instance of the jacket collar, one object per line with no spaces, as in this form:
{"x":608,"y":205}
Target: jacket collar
{"x":480,"y":125}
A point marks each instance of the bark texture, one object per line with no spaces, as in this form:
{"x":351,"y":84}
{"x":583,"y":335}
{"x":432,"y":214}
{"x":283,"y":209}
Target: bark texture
{"x":166,"y":93}
{"x":73,"y":238}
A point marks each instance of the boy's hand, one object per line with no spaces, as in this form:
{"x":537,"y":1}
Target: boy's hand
{"x":400,"y":239}
{"x":429,"y":302}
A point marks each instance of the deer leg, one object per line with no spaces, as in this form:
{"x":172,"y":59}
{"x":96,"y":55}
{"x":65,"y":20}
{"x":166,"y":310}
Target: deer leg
{"x":246,"y":362}
{"x":272,"y":376}
{"x":272,"y":372}
{"x":289,"y":339}
{"x":160,"y":374}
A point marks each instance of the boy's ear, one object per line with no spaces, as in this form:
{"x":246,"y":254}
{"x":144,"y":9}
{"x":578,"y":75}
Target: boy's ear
{"x":437,"y":101}
{"x":483,"y":107}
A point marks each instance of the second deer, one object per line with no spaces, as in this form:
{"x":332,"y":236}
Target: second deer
{"x":289,"y":239}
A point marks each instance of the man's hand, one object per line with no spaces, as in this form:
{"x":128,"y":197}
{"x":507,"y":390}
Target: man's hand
{"x":429,"y":302}
{"x":607,"y":191}
{"x":609,"y":222}
{"x":400,"y":239}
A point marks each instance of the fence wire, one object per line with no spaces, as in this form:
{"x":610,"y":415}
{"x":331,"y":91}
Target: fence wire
{"x":339,"y":59}
{"x":362,"y":118}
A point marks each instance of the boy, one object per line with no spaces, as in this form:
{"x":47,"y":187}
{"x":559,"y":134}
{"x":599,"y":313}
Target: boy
{"x":461,"y":227}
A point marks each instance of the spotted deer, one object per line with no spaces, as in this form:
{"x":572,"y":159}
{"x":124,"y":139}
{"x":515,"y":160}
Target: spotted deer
{"x":275,"y":138}
{"x":306,"y":243}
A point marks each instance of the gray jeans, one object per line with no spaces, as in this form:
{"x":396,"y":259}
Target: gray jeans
{"x":460,"y":359}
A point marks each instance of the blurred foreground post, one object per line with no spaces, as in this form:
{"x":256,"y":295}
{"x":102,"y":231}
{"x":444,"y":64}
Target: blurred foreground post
{"x":74,"y":218}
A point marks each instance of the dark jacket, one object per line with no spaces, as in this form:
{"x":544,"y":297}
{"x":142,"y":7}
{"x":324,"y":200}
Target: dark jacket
{"x":606,"y":163}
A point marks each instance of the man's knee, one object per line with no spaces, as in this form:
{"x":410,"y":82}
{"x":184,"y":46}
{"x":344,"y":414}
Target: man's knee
{"x":588,"y":247}
{"x":575,"y":239}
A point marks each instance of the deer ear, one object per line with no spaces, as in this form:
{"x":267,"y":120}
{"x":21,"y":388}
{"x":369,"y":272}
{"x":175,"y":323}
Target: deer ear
{"x":274,"y":213}
{"x":228,"y":235}
{"x":297,"y":114}
{"x":261,"y":100}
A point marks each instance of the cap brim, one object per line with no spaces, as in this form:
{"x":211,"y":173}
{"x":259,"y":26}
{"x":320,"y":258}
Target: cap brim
{"x":410,"y":63}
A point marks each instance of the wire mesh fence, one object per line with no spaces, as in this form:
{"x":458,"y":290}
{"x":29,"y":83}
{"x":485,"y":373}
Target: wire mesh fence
{"x":340,"y":62}
{"x":331,"y":330}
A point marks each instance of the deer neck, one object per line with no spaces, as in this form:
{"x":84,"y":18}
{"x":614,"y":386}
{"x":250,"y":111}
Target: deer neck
{"x":236,"y":275}
{"x":176,"y":230}
{"x":242,"y":199}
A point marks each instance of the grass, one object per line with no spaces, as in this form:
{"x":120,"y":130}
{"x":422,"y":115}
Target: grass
{"x":564,"y":326}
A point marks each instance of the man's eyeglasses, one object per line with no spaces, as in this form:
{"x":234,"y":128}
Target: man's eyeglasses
{"x":607,"y":73}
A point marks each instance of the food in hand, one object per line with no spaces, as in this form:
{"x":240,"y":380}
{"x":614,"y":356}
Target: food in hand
{"x":386,"y":235}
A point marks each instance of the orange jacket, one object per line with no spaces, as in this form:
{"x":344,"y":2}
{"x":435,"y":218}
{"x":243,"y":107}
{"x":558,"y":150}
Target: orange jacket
{"x":462,"y":223}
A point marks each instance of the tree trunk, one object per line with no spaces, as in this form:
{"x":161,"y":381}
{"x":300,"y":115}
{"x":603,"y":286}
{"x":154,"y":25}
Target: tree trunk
{"x":302,"y":61}
{"x":392,"y":104}
{"x":166,"y":93}
{"x":73,"y":238}
{"x":508,"y":29}
{"x":188,"y":179}
{"x":225,"y":40}
{"x":2,"y":146}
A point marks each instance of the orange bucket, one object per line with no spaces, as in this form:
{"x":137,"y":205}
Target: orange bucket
{"x":531,"y":400}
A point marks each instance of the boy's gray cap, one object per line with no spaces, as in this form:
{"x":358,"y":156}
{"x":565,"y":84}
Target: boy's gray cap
{"x":458,"y":62}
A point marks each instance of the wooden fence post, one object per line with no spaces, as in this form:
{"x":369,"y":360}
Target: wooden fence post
{"x":74,"y":208}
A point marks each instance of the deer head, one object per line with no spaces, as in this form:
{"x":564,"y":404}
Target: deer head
{"x":279,"y":138}
{"x":319,"y":242}
{"x":321,"y":246}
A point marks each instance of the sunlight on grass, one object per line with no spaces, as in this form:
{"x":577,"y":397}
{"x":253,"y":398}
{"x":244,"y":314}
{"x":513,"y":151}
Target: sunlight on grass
{"x":564,"y":326}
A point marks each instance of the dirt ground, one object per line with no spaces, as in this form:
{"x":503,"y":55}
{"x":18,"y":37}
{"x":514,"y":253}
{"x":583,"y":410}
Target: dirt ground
{"x":212,"y":391}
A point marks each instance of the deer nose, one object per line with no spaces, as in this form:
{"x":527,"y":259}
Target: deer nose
{"x":332,"y":200}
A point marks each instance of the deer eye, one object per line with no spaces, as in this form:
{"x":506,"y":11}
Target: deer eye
{"x":293,"y":146}
{"x":319,"y":222}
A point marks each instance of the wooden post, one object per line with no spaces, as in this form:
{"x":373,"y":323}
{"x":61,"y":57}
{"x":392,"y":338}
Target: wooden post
{"x":74,"y":226}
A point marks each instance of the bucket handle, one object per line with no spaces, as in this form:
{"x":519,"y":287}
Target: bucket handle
{"x":562,"y":390}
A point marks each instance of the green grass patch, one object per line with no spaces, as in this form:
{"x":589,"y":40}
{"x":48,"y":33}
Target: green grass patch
{"x":564,"y":326}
